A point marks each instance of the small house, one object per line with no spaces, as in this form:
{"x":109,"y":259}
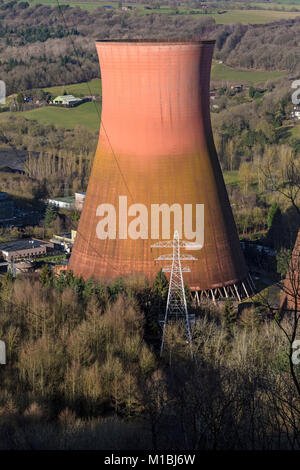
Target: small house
{"x":66,"y":100}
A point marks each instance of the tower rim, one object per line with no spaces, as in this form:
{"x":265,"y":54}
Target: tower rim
{"x":157,"y":41}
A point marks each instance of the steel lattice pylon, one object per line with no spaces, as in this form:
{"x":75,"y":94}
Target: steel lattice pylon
{"x":176,"y":304}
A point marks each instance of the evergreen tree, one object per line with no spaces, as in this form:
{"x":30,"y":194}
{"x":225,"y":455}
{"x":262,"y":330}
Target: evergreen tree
{"x":251,"y":92}
{"x":160,"y":285}
{"x":230,"y":317}
{"x":50,"y":215}
{"x":89,"y":289}
{"x":78,"y":286}
{"x":116,"y":288}
{"x":20,"y":100}
{"x":46,"y":276}
{"x":157,"y":302}
{"x":60,"y":282}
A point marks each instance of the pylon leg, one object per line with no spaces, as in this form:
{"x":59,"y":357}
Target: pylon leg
{"x":245,"y":289}
{"x":237,"y":292}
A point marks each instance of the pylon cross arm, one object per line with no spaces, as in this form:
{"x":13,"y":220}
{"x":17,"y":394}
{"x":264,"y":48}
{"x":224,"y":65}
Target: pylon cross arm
{"x":184,"y":269}
{"x":169,"y":257}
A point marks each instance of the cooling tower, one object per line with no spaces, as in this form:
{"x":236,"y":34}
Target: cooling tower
{"x":156,"y":147}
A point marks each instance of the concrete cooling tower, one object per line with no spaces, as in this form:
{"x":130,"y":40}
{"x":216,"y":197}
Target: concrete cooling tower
{"x":156,"y":148}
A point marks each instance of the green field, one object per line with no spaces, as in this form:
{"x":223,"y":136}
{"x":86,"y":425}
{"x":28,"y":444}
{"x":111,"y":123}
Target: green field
{"x":93,"y":87}
{"x":253,"y":16}
{"x":223,"y":72}
{"x":86,"y":115}
{"x":88,"y":6}
{"x":288,"y":5}
{"x":272,"y":5}
{"x":236,"y":16}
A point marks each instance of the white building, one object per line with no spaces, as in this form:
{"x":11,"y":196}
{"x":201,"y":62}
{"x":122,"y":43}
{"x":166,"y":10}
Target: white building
{"x":63,"y":202}
{"x":66,"y":100}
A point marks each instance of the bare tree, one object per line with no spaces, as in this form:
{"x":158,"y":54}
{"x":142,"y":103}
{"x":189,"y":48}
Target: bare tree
{"x":284,"y":179}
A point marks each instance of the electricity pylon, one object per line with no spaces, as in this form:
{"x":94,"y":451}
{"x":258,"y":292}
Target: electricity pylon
{"x":176,"y":304}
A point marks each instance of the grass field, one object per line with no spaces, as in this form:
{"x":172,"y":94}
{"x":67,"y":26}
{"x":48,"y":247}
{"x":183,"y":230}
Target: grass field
{"x":223,"y":72}
{"x":272,"y":5}
{"x":287,"y":4}
{"x":253,"y":16}
{"x":92,"y":87}
{"x":88,"y":6}
{"x":84,"y":115}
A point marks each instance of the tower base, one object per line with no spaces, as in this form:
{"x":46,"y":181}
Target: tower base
{"x":239,"y":291}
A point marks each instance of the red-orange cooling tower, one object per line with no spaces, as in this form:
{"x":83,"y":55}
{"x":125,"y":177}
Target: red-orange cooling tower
{"x":156,"y":147}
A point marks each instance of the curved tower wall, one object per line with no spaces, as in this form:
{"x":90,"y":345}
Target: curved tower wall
{"x":156,"y":146}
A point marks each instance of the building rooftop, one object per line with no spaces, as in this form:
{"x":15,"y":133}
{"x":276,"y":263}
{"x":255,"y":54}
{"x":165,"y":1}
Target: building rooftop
{"x":67,"y":97}
{"x":70,"y":199}
{"x":20,"y":245}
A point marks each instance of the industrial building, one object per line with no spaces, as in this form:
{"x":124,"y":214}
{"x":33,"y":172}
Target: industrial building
{"x":69,"y":202}
{"x":24,"y":249}
{"x":64,"y":202}
{"x":64,"y":241}
{"x":157,"y":148}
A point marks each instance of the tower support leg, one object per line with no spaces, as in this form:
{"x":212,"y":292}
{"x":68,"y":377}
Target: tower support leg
{"x":244,"y":287}
{"x":237,"y":292}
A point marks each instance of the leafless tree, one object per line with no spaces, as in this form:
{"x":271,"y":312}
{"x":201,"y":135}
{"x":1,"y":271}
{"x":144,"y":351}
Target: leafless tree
{"x":285,"y":180}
